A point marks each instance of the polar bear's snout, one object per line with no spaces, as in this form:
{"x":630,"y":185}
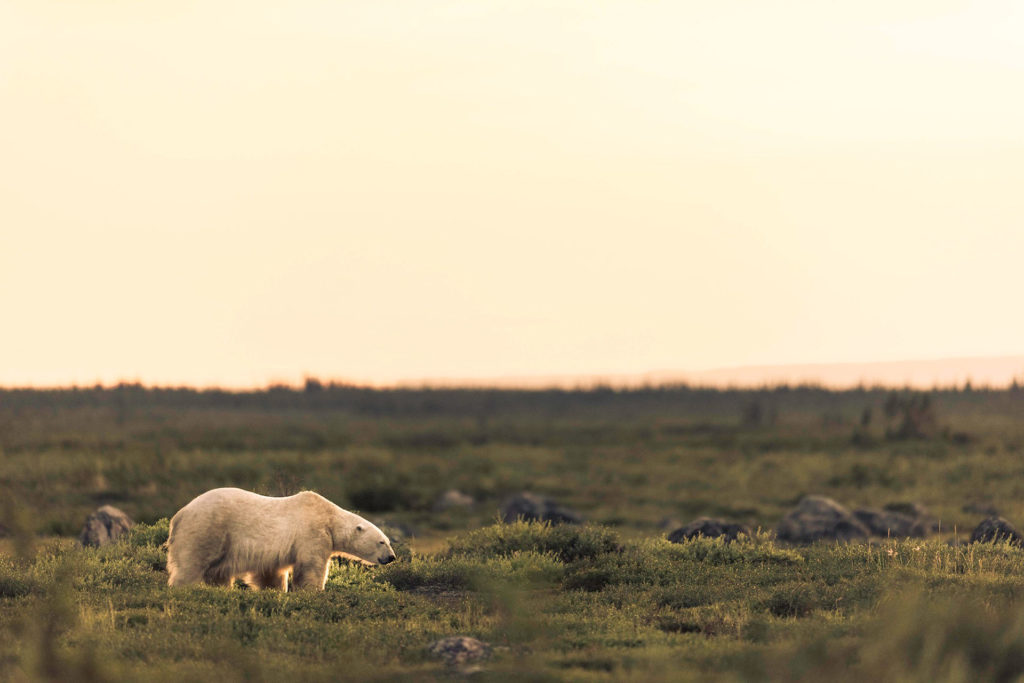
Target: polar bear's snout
{"x":388,"y":558}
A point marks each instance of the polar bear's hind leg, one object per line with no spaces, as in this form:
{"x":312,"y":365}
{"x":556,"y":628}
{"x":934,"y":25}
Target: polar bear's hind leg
{"x":274,"y":578}
{"x":183,"y":575}
{"x":184,"y":565}
{"x":219,"y":574}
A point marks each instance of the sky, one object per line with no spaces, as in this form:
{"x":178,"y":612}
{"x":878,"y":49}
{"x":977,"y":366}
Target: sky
{"x":232,"y":193}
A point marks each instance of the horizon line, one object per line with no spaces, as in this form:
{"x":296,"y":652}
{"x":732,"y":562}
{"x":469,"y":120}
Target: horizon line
{"x":990,"y":372}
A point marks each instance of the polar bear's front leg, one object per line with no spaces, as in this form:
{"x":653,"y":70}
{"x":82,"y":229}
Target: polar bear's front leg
{"x":311,"y":574}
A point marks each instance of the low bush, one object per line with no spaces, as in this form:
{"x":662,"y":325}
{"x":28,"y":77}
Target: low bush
{"x":567,"y":542}
{"x":460,"y":573}
{"x":13,"y":582}
{"x":149,"y":535}
{"x":793,"y":600}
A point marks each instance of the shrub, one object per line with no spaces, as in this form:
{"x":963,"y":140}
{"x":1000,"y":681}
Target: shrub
{"x":420,"y":573}
{"x":472,"y":573}
{"x":793,"y":600}
{"x":569,"y":543}
{"x":657,"y":562}
{"x":760,"y":548}
{"x":353,"y":576}
{"x":910,"y":416}
{"x":13,"y":582}
{"x":149,"y":535}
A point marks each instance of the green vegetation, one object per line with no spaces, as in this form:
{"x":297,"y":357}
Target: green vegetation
{"x":609,"y":600}
{"x":651,"y":609}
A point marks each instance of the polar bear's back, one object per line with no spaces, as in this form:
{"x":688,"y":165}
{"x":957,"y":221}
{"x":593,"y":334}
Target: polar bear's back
{"x":230,"y":532}
{"x":250,"y":517}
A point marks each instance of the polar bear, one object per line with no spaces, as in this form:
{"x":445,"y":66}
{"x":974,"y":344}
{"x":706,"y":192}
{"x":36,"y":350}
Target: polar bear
{"x":229,"y":533}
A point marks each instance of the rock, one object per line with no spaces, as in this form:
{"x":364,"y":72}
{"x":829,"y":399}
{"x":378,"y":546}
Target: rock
{"x":709,"y":528}
{"x":453,"y":498}
{"x":885,"y":523}
{"x":915,"y":510}
{"x":105,"y":526}
{"x":818,"y":518}
{"x":996,"y":530}
{"x":924,"y":522}
{"x":460,"y":650}
{"x":898,"y":520}
{"x":531,"y":507}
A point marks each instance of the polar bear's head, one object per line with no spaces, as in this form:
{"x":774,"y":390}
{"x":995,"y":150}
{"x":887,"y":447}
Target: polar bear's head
{"x":370,"y":544}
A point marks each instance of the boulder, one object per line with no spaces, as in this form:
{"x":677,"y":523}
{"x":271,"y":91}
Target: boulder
{"x":817,"y":518}
{"x":531,"y":507}
{"x":460,"y":650}
{"x":104,"y":526}
{"x":997,"y":530}
{"x":915,"y":510}
{"x":709,"y":528}
{"x":453,"y":498}
{"x":898,"y":520}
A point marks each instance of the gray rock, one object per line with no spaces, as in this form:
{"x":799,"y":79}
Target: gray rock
{"x":817,"y":518}
{"x":996,"y":530}
{"x":915,"y":510}
{"x":460,"y":650}
{"x":884,"y":523}
{"x":531,"y":507}
{"x":104,"y":526}
{"x":453,"y":498}
{"x":898,"y":520}
{"x":709,"y":528}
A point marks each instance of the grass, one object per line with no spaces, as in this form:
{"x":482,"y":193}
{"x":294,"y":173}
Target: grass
{"x":608,"y":600}
{"x":704,"y":610}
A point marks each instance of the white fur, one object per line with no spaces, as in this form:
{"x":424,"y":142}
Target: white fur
{"x":229,"y":533}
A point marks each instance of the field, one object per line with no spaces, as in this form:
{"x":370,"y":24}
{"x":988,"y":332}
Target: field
{"x":609,"y":600}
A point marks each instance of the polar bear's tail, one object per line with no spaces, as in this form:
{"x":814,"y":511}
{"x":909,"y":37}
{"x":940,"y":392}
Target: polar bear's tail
{"x":166,"y":545}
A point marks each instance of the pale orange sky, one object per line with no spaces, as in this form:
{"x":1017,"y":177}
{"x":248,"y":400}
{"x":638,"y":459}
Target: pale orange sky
{"x":234,"y":192}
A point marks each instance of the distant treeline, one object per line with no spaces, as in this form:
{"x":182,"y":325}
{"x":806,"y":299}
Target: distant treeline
{"x":475,"y":402}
